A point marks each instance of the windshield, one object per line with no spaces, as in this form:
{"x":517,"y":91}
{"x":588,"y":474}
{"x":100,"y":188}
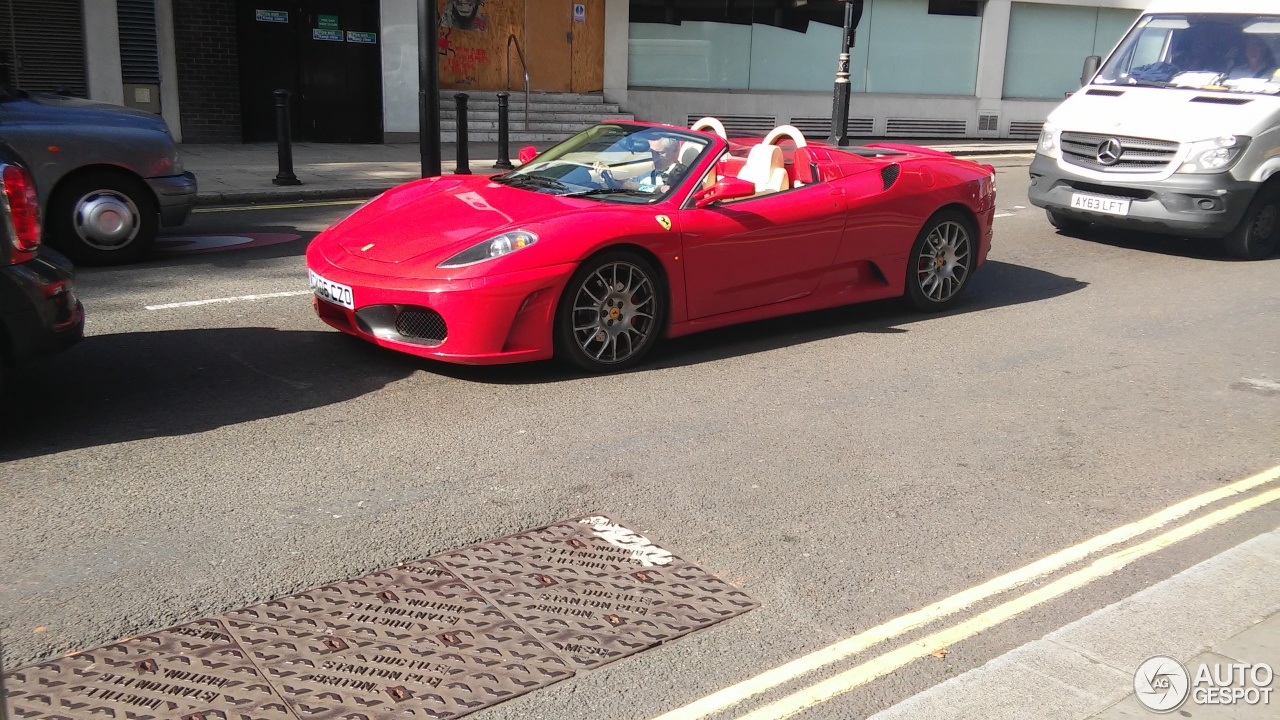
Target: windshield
{"x":1209,"y":51}
{"x":620,"y":162}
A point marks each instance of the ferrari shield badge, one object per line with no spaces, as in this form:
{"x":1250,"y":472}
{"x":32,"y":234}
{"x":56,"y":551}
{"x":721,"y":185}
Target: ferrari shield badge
{"x":664,"y":221}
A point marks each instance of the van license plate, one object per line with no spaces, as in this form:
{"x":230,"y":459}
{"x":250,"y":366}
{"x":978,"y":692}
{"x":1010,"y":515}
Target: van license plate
{"x":1099,"y":204}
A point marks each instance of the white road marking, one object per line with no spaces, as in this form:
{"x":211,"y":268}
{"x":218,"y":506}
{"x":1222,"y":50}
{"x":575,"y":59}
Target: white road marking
{"x":238,"y":298}
{"x":1266,"y":387}
{"x":1019,"y":207}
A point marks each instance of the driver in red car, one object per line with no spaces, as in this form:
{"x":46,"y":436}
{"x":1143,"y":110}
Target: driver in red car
{"x":667,"y":169}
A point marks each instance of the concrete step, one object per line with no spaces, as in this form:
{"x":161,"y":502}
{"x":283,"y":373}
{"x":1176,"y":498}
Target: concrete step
{"x":492,"y":96}
{"x":516,"y":117}
{"x":518,"y":107}
{"x":485,"y":125}
{"x":515,"y":138}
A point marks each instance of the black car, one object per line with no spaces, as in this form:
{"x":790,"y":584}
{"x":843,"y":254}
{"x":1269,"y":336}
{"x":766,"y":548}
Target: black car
{"x":39,"y":311}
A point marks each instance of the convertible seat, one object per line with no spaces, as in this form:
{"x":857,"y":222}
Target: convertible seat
{"x":766,"y":169}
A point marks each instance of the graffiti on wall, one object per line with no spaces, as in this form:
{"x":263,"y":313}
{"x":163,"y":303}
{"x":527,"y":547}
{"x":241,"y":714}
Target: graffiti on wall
{"x":463,"y":15}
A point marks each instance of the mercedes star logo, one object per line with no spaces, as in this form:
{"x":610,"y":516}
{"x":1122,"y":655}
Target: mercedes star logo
{"x":1109,"y":151}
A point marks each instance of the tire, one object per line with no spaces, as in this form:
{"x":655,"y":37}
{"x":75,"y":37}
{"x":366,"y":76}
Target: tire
{"x":103,"y":218}
{"x":611,"y":312}
{"x":1258,"y":235}
{"x":1067,"y":225}
{"x":942,"y":261}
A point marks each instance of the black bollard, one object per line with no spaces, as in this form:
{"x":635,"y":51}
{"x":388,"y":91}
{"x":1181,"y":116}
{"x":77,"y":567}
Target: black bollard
{"x":464,"y":164}
{"x":284,"y":141}
{"x":504,"y":149}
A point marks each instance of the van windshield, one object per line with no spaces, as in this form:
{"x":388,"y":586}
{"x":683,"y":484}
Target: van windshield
{"x":1207,"y":51}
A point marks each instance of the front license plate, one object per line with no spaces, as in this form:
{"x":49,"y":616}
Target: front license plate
{"x":333,"y":292}
{"x":1099,"y":204}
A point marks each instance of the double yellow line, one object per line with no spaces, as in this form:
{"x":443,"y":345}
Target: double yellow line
{"x":890,"y":661}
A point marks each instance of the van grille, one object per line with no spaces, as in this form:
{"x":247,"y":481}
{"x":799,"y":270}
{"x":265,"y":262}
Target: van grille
{"x":1137,"y":155}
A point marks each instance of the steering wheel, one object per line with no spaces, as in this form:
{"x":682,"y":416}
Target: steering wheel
{"x":787,"y":130}
{"x":710,"y":123}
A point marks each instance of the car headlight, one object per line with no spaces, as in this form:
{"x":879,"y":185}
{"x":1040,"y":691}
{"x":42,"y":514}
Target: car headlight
{"x":1048,"y":144}
{"x":494,"y":247}
{"x":1214,"y":156}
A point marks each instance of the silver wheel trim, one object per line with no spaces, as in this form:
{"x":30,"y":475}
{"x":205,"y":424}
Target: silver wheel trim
{"x":614,"y":312}
{"x":106,"y":219}
{"x":943,"y":263}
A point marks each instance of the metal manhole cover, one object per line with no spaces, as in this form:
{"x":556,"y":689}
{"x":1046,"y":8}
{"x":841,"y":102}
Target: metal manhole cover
{"x":436,"y":638}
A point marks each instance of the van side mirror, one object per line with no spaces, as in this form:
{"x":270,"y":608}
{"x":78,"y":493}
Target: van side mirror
{"x":726,"y":188}
{"x":1091,"y":65}
{"x":527,"y":153}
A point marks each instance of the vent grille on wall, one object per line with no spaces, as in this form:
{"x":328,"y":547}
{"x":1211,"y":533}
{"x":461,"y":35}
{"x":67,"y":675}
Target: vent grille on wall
{"x":988,"y":123}
{"x":820,"y":127}
{"x":1023,"y":130}
{"x":139,"y":59}
{"x":740,"y":125}
{"x":921,"y":127}
{"x":42,"y":46}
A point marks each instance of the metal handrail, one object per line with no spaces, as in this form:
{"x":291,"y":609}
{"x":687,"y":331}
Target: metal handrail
{"x":512,"y":39}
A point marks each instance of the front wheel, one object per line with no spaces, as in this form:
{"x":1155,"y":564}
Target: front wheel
{"x":1257,"y":236}
{"x":942,"y":260}
{"x":103,"y":218}
{"x":611,"y":312}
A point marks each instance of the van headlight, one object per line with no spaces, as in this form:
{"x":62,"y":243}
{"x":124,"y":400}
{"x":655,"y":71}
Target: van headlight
{"x":1214,"y":156}
{"x":1048,"y":144}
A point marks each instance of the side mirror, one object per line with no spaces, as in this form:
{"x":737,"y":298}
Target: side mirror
{"x":726,"y":188}
{"x":1091,"y":65}
{"x":527,"y":153}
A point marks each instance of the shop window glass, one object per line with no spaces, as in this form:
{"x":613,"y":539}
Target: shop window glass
{"x":912,"y":51}
{"x":1048,"y":45}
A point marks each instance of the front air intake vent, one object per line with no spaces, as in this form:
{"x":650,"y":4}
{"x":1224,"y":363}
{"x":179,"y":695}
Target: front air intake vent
{"x":1105,"y":93}
{"x":421,"y":323}
{"x":889,"y":174}
{"x":1212,"y":100}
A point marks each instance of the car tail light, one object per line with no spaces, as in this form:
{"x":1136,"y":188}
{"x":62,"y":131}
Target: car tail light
{"x":24,"y":208}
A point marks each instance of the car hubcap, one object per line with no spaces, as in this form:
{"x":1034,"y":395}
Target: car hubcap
{"x":613,"y":312}
{"x":107,"y":220}
{"x":944,"y":261}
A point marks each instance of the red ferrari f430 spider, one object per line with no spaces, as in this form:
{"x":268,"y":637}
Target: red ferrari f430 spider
{"x":629,"y":232}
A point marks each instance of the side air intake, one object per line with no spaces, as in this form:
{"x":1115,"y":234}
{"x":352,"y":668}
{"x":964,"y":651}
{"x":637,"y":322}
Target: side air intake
{"x":889,"y":174}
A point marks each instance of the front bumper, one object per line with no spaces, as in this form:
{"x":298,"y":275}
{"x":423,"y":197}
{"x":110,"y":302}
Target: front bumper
{"x":176,"y":195}
{"x":1199,"y":206}
{"x":41,"y":311}
{"x":490,"y":320}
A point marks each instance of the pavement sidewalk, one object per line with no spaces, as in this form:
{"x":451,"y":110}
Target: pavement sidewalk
{"x":242,"y":173}
{"x":1224,"y":610}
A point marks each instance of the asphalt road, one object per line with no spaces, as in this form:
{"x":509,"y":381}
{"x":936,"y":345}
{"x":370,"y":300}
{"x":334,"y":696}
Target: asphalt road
{"x":842,"y":467}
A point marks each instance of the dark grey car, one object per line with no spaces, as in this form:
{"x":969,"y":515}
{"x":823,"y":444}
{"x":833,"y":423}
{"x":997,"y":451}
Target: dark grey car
{"x":109,"y":176}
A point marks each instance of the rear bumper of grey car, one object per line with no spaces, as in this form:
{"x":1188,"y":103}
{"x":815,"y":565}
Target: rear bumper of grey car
{"x":176,"y":195}
{"x":1199,"y":206}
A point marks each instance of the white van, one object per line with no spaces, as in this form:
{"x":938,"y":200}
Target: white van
{"x":1177,"y":133}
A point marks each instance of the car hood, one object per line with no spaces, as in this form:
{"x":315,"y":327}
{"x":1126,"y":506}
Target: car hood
{"x":40,"y":107}
{"x":1173,"y":114}
{"x":434,"y":218}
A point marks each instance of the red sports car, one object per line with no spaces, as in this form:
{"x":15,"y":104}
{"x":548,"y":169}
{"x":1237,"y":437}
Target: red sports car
{"x":629,"y":232}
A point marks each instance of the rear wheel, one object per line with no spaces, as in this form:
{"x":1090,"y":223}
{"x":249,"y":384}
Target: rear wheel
{"x":1067,"y":225}
{"x":942,"y":260}
{"x":103,"y":218}
{"x":1258,"y":234}
{"x":611,"y":312}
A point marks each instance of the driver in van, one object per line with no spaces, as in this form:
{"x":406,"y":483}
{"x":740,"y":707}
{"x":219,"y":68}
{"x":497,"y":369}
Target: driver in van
{"x":1257,"y":60}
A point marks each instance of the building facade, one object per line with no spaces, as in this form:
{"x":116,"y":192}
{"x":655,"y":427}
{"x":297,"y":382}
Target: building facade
{"x":919,"y":68}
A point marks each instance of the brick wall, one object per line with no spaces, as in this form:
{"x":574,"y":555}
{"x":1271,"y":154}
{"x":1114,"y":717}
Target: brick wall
{"x":208,"y":72}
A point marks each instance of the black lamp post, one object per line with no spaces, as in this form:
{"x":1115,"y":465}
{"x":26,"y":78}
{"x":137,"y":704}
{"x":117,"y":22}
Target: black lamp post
{"x":428,"y":88}
{"x":840,"y":103}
